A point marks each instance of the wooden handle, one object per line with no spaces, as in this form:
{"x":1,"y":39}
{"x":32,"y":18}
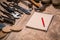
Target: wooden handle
{"x":36,"y":4}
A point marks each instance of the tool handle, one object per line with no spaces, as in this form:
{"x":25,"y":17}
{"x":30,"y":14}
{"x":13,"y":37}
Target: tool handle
{"x":11,"y":21}
{"x":5,"y":4}
{"x":7,"y":14}
{"x":6,"y":19}
{"x":35,"y":3}
{"x":10,"y":10}
{"x":22,"y":9}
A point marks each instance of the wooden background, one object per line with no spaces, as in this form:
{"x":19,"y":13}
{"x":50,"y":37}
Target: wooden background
{"x":53,"y":32}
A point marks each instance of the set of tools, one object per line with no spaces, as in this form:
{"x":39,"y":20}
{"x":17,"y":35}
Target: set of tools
{"x":11,"y":12}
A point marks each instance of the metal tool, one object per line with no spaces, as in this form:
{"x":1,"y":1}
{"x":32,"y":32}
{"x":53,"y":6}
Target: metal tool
{"x":8,"y":14}
{"x":22,"y":9}
{"x":6,"y":19}
{"x":10,"y":10}
{"x":16,"y":13}
{"x":28,"y":4}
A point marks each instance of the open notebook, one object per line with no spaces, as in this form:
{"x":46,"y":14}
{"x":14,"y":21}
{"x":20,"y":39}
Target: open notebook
{"x":40,"y":21}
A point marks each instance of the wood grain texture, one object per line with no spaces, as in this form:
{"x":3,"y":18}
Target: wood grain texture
{"x":2,"y":34}
{"x":53,"y":32}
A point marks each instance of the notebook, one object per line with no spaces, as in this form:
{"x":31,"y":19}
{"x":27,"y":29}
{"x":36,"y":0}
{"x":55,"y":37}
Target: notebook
{"x":40,"y":21}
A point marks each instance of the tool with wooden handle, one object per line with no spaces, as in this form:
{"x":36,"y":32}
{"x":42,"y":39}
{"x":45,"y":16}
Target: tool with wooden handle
{"x":22,"y":9}
{"x":35,"y":3}
{"x":30,"y":5}
{"x":6,"y":19}
{"x":10,"y":10}
{"x":8,"y":14}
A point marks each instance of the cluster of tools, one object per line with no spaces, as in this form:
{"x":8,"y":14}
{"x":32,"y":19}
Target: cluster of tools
{"x":11,"y":13}
{"x":14,"y":11}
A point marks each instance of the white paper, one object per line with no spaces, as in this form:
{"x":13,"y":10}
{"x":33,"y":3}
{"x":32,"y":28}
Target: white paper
{"x":36,"y":21}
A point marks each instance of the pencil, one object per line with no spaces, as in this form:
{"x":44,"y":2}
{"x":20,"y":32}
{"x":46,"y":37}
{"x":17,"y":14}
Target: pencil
{"x":43,"y":21}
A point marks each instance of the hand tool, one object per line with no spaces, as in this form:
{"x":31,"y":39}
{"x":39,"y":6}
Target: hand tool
{"x":8,"y":14}
{"x":38,"y":5}
{"x":16,"y":13}
{"x":35,"y":3}
{"x":6,"y":19}
{"x":28,"y":4}
{"x":10,"y":10}
{"x":22,"y":9}
{"x":19,"y":9}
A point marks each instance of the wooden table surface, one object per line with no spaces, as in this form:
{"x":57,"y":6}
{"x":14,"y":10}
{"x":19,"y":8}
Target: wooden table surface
{"x":53,"y":32}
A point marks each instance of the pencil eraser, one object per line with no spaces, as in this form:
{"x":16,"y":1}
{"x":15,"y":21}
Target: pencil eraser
{"x":40,"y":21}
